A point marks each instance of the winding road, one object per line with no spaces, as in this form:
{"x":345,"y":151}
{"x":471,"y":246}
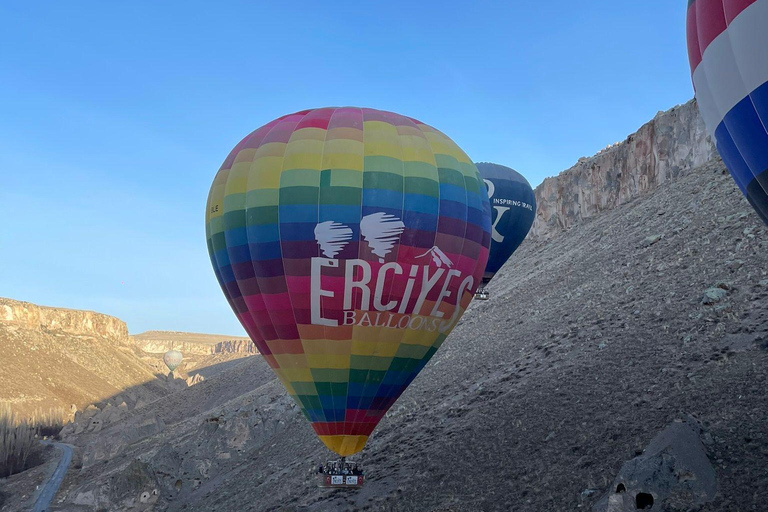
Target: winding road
{"x":52,"y":485}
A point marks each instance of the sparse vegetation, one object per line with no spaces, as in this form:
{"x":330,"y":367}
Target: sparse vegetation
{"x":48,"y":423}
{"x":19,"y":446}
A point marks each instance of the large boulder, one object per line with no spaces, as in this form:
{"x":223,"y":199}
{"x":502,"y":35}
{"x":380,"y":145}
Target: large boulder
{"x":672,"y":473}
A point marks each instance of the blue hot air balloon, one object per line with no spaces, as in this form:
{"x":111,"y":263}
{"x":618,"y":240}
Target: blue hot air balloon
{"x":513,"y":208}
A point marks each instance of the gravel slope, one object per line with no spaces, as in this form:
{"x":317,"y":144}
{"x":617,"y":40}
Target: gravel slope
{"x":592,"y":342}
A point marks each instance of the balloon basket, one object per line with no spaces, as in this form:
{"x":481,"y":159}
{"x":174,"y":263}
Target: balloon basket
{"x":482,"y":294}
{"x":340,"y":474}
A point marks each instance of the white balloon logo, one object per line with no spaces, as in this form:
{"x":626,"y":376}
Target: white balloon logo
{"x":491,"y":188}
{"x":500,"y":211}
{"x":332,"y":237}
{"x":381,"y":231}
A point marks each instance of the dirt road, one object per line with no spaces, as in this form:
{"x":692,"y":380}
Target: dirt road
{"x":53,"y":483}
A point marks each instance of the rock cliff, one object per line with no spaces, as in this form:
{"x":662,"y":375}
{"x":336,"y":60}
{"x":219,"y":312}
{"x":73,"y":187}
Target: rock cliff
{"x":65,"y":359}
{"x":665,"y":147}
{"x":55,"y":358}
{"x":156,"y":342}
{"x":71,"y":321}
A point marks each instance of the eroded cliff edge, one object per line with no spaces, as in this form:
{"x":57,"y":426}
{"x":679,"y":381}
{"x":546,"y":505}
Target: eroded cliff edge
{"x":65,"y":359}
{"x":670,"y":144}
{"x":154,"y":342}
{"x":30,"y":316}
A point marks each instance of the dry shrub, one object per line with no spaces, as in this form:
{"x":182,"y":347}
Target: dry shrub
{"x":20,"y":448}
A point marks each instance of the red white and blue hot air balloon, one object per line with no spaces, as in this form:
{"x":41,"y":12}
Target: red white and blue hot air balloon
{"x":728,"y":52}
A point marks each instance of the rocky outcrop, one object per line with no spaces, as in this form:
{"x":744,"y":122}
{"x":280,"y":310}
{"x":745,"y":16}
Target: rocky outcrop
{"x":673,"y":473}
{"x":105,"y":448}
{"x":162,"y":346}
{"x":69,"y":321}
{"x":177,"y":467}
{"x":54,"y":358}
{"x":234,"y":347}
{"x":221,"y":439}
{"x":133,"y":487}
{"x":673,"y":142}
{"x":194,"y":380}
{"x":158,"y":342}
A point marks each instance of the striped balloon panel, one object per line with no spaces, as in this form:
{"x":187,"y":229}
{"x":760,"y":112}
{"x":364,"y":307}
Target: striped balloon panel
{"x":348,"y":242}
{"x":728,"y":52}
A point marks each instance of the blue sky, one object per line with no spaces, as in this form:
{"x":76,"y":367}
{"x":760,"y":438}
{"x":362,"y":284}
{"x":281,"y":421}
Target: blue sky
{"x":115,"y":116}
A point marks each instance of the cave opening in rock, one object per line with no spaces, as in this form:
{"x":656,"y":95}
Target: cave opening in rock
{"x":620,"y":489}
{"x":643,"y":501}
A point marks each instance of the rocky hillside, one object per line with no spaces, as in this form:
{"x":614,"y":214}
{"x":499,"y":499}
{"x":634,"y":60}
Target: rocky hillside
{"x":57,"y":358}
{"x":596,"y":339}
{"x":67,"y":360}
{"x":155,"y":342}
{"x":673,"y":142}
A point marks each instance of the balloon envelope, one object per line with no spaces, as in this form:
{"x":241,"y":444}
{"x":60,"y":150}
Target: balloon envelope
{"x":348,"y":242}
{"x":727,"y":41}
{"x":172,"y":359}
{"x":513,"y":208}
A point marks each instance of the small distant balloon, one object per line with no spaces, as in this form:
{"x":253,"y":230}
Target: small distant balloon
{"x":172,"y":359}
{"x":513,"y":208}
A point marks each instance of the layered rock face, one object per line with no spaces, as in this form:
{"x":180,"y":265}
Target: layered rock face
{"x":234,"y":346}
{"x":64,"y":359}
{"x":156,"y":342}
{"x":55,"y":358}
{"x":670,"y":144}
{"x":70,"y":321}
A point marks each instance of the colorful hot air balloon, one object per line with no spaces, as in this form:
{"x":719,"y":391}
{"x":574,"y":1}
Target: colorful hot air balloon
{"x":513,"y":208}
{"x":172,"y":359}
{"x":348,"y":242}
{"x":727,"y":42}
